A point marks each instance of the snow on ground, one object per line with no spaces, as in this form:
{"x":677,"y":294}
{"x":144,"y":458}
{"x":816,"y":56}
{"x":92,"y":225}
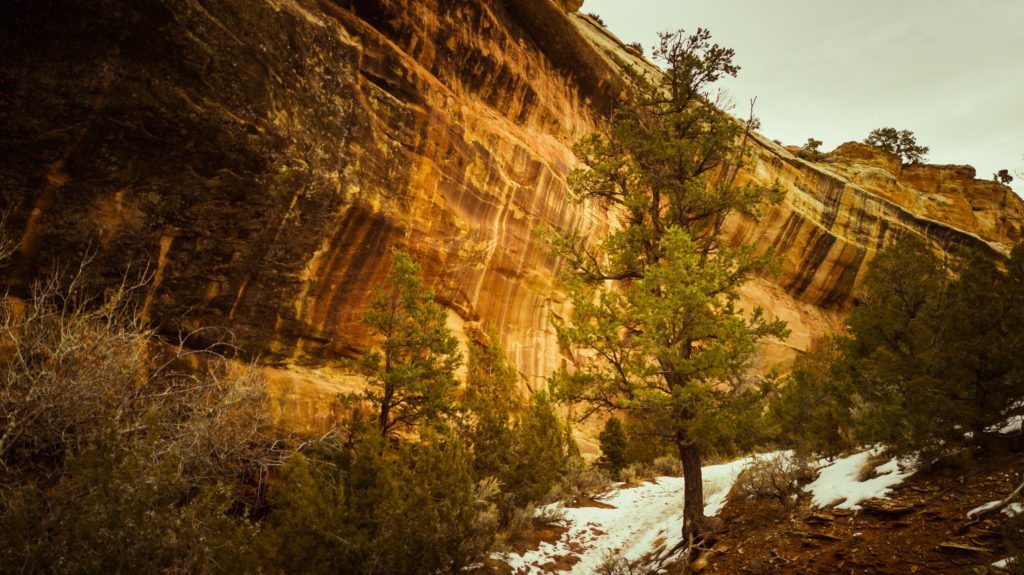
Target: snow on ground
{"x":649,"y":518}
{"x":1003,"y":564}
{"x":1012,"y":425}
{"x":643,"y":519}
{"x":838,"y":482}
{"x":984,"y":508}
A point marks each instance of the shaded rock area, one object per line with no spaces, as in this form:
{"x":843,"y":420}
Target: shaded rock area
{"x":261,"y":159}
{"x":264,"y":158}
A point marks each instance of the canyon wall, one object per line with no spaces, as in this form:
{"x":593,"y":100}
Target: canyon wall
{"x":259,"y":161}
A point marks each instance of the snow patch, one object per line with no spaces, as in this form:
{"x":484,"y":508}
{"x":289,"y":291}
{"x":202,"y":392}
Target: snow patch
{"x":984,"y":508}
{"x":644,"y":519}
{"x":1002,"y":563}
{"x":1012,"y":425}
{"x":838,"y":483}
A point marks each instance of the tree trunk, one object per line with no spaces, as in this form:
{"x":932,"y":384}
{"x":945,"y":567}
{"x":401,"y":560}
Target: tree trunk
{"x":384,"y":418}
{"x":693,"y":499}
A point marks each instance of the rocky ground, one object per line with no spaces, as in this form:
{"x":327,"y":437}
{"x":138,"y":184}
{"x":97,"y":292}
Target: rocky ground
{"x":890,"y":520}
{"x":921,"y":528}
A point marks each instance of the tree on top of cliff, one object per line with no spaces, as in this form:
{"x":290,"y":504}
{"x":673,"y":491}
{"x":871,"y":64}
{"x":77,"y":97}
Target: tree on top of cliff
{"x":636,"y":46}
{"x":903,"y":143}
{"x":811,"y":150}
{"x":667,"y":343}
{"x":413,"y":374}
{"x":1003,"y":177}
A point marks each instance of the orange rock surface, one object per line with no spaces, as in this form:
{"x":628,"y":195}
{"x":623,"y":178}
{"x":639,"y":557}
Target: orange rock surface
{"x":265,"y":157}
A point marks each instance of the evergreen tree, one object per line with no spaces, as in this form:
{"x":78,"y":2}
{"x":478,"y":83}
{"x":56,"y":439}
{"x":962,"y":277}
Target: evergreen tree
{"x":412,"y":376}
{"x":428,"y":517}
{"x":934,"y":356}
{"x":538,"y":454}
{"x":811,"y":150}
{"x":980,"y":332}
{"x":812,"y":410}
{"x":122,"y":507}
{"x":309,"y":529}
{"x":613,"y":445}
{"x":413,"y":509}
{"x":667,"y":342}
{"x":903,"y":143}
{"x":492,"y":404}
{"x":892,"y":343}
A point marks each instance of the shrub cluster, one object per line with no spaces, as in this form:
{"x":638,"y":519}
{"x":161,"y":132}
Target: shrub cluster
{"x":777,"y":477}
{"x":931,"y":364}
{"x":630,"y":455}
{"x":116,"y":455}
{"x":120,"y":452}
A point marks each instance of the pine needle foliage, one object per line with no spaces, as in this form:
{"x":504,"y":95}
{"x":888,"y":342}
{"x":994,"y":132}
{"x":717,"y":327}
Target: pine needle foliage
{"x":933,"y":361}
{"x":657,"y":330}
{"x":413,"y":374}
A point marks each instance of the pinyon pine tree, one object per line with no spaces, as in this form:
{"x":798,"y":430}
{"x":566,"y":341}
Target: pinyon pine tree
{"x":656,"y":330}
{"x":492,"y":404}
{"x":903,"y":143}
{"x":413,"y":375}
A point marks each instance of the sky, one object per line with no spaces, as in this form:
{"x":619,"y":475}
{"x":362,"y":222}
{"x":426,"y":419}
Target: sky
{"x":951,"y":71}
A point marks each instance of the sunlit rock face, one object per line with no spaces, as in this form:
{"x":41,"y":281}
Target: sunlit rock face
{"x":262,"y":159}
{"x":839,"y":211}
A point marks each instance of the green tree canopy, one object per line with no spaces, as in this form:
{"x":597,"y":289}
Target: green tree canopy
{"x":613,"y":445}
{"x":413,"y":374}
{"x":656,"y":330}
{"x":539,"y":452}
{"x":903,"y":143}
{"x":413,"y":509}
{"x":933,"y":359}
{"x":492,"y":404}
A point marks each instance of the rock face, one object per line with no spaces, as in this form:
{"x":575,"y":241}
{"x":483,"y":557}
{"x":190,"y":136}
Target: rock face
{"x":264,"y":157}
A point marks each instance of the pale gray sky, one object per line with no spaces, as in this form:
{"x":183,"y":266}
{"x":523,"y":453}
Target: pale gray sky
{"x":951,"y":71}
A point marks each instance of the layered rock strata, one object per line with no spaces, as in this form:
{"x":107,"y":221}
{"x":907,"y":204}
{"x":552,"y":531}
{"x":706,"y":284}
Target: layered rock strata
{"x":262,"y":159}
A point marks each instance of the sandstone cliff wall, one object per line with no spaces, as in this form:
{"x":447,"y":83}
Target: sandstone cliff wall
{"x":264,"y":157}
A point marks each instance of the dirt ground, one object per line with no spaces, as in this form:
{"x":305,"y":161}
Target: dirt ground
{"x":920,"y":529}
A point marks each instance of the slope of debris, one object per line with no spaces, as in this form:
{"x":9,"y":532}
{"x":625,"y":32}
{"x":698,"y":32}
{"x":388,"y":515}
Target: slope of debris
{"x":921,"y":527}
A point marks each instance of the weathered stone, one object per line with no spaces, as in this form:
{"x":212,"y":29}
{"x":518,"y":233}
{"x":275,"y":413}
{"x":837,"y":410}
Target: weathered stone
{"x":264,"y":157}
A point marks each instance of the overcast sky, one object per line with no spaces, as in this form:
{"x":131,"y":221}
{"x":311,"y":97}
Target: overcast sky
{"x":951,"y":71}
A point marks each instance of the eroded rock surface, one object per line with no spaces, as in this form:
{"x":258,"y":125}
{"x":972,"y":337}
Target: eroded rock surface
{"x":264,"y":157}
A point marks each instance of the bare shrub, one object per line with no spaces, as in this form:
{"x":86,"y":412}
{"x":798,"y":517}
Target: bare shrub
{"x":549,"y":514}
{"x":75,"y":370}
{"x":1013,"y":536}
{"x":636,"y":473}
{"x":869,"y":469}
{"x":616,"y":565}
{"x":777,"y":477}
{"x":120,"y":451}
{"x":668,"y":465}
{"x":580,"y":480}
{"x":67,"y":371}
{"x":524,"y":522}
{"x":519,"y":523}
